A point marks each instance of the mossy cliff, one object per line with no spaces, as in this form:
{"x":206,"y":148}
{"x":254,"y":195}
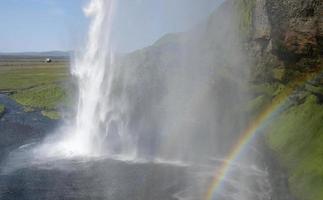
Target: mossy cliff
{"x":284,"y":44}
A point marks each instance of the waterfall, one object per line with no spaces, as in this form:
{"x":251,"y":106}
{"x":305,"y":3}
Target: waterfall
{"x":99,"y":116}
{"x":178,"y":100}
{"x":178,"y":109}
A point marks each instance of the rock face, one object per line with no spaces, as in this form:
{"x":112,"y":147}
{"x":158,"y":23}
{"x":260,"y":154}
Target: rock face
{"x":291,"y":30}
{"x":297,"y":29}
{"x":285,"y":46}
{"x":262,"y":28}
{"x":285,"y":37}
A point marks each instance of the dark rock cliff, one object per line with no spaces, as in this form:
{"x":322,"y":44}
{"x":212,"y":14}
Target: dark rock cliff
{"x":286,"y":35}
{"x":285,"y":47}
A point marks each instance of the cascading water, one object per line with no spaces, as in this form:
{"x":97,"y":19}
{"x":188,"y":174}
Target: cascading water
{"x":97,"y":115}
{"x":180,"y":100}
{"x":173,"y":101}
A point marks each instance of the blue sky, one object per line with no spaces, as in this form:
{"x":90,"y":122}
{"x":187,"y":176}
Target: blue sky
{"x":44,"y":25}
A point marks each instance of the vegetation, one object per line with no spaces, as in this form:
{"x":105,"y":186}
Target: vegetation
{"x":297,"y":136}
{"x":245,"y":15}
{"x":34,"y":84}
{"x":46,"y":96}
{"x":51,"y":114}
{"x":12,"y":79}
{"x":255,"y":105}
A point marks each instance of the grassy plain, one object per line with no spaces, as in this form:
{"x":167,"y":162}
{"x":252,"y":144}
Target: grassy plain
{"x":35,"y":84}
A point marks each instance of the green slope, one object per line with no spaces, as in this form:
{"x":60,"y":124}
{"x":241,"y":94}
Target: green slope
{"x":297,"y":138}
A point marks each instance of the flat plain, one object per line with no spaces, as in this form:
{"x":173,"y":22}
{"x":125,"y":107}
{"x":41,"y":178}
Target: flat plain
{"x":35,"y":84}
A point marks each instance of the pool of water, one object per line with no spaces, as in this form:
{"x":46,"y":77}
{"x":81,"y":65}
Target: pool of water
{"x":25,"y":177}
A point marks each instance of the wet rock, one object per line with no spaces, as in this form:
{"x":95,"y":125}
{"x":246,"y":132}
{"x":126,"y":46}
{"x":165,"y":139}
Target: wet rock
{"x":287,"y":46}
{"x":286,"y":38}
{"x":262,"y":27}
{"x":301,"y":36}
{"x":279,"y":73}
{"x":297,"y":26}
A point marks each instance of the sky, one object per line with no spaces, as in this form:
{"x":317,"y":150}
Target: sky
{"x":46,"y":25}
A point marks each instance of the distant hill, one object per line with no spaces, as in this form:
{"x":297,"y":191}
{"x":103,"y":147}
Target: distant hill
{"x":37,"y":54}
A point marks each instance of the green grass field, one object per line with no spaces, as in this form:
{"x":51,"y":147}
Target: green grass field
{"x":16,"y":73}
{"x":35,"y":84}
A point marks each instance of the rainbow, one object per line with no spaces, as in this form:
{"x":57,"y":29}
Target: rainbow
{"x":276,"y":106}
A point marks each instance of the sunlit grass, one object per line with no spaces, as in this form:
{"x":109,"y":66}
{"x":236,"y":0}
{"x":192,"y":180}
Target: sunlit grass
{"x":297,"y":136}
{"x":46,"y":96}
{"x":35,"y":85}
{"x":51,"y":114}
{"x":15,"y":79}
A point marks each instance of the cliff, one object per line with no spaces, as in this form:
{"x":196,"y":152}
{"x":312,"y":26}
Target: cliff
{"x":286,"y":36}
{"x":284,"y":43}
{"x":253,"y":51}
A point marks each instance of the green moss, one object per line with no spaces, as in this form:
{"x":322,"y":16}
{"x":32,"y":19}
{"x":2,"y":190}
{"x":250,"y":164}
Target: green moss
{"x":279,"y":73}
{"x":257,"y":104}
{"x":2,"y":109}
{"x":47,"y":97}
{"x":51,"y":114}
{"x":297,"y":136}
{"x":314,"y":89}
{"x":245,"y":16}
{"x":268,"y":89}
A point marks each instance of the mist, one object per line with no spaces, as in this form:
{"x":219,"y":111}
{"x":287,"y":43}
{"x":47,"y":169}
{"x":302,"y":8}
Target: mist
{"x":177,"y":103}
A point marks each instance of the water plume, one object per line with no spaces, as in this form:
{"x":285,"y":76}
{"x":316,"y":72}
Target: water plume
{"x":89,"y":70}
{"x":178,"y":102}
{"x":98,"y":115}
{"x":175,"y":100}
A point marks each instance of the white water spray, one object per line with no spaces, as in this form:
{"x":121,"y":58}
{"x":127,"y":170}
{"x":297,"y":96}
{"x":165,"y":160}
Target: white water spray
{"x":176,"y":103}
{"x":90,"y":70}
{"x":98,"y":115}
